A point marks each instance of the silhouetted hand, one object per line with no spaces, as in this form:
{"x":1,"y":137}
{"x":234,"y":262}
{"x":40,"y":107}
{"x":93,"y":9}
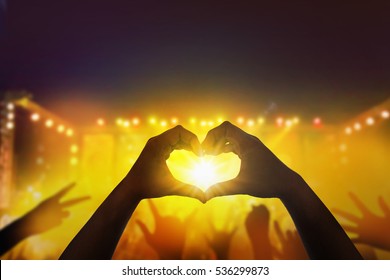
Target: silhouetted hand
{"x":371,"y":229}
{"x":150,"y":176}
{"x":220,"y":241}
{"x":51,"y":212}
{"x":168,"y":237}
{"x":48,"y":214}
{"x":291,"y":245}
{"x":257,"y":227}
{"x":262,"y":174}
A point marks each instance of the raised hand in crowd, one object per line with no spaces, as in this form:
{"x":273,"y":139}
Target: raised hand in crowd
{"x":291,"y":245}
{"x":168,"y":238}
{"x":148,"y":178}
{"x":371,"y":229}
{"x":220,"y":240}
{"x":46,"y":215}
{"x":263,"y":175}
{"x":257,"y":227}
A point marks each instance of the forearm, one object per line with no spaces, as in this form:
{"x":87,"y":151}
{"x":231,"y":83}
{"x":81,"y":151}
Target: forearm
{"x":320,"y":232}
{"x":12,"y":234}
{"x":100,"y":235}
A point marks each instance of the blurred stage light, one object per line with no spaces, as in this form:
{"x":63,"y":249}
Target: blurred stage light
{"x":317,"y":121}
{"x":295,"y":120}
{"x":370,"y":121}
{"x":74,"y":161}
{"x":385,"y":114}
{"x":10,"y":106}
{"x":60,"y":128}
{"x":100,"y":122}
{"x":289,"y":123}
{"x":49,"y":123}
{"x":251,"y":123}
{"x":174,"y":121}
{"x":240,"y":120}
{"x":261,"y":120}
{"x":10,"y":125}
{"x":279,"y":121}
{"x":357,"y":126}
{"x":74,"y":149}
{"x":220,"y":120}
{"x":210,"y":123}
{"x":203,"y":123}
{"x":135,"y":121}
{"x":152,"y":121}
{"x":69,"y":132}
{"x":119,"y":121}
{"x":10,"y":116}
{"x":126,"y":123}
{"x":348,"y":130}
{"x":192,"y":120}
{"x":35,"y":117}
{"x":163,"y":123}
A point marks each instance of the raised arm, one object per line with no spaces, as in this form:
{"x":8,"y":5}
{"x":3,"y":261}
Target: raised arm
{"x":263,"y":175}
{"x":46,"y":215}
{"x":148,"y":178}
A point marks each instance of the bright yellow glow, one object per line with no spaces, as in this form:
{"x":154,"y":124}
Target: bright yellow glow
{"x":163,"y":123}
{"x":203,"y":172}
{"x":152,"y":121}
{"x":348,"y":130}
{"x":74,"y":161}
{"x":295,"y":120}
{"x":174,"y":121}
{"x":135,"y":121}
{"x":119,"y":121}
{"x":35,"y":117}
{"x":279,"y":121}
{"x":261,"y":120}
{"x":10,"y":125}
{"x":10,"y":106}
{"x":100,"y":122}
{"x":69,"y":132}
{"x":61,"y":128}
{"x":385,"y":114}
{"x":251,"y":123}
{"x":193,"y":120}
{"x":49,"y":123}
{"x":74,"y":149}
{"x":220,"y":120}
{"x":370,"y":121}
{"x":210,"y":123}
{"x":203,"y":123}
{"x":357,"y":126}
{"x":289,"y":123}
{"x":10,"y":116}
{"x":240,"y":120}
{"x":126,"y":123}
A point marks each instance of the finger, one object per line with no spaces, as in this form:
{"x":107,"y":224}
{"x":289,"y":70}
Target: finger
{"x":279,"y":232}
{"x":145,"y":231}
{"x":182,"y":189}
{"x":215,"y":140}
{"x":346,"y":215}
{"x":221,"y":189}
{"x":289,"y":235}
{"x":181,"y":138}
{"x":63,"y":191}
{"x":385,"y":208}
{"x":74,"y":201}
{"x":359,"y":203}
{"x":64,"y":214}
{"x":358,"y":240}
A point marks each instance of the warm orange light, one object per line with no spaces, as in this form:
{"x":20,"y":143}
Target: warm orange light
{"x":60,"y":128}
{"x":357,"y":126}
{"x":74,"y":149}
{"x":35,"y":117}
{"x":240,"y":120}
{"x":100,"y":122}
{"x":385,"y":114}
{"x":10,"y":106}
{"x":49,"y":123}
{"x":251,"y":123}
{"x":370,"y":121}
{"x":135,"y":121}
{"x":174,"y":121}
{"x":10,"y":125}
{"x":69,"y":132}
{"x":348,"y":130}
{"x":279,"y":121}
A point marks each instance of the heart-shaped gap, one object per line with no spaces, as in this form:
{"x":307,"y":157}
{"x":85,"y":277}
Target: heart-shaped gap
{"x":205,"y":171}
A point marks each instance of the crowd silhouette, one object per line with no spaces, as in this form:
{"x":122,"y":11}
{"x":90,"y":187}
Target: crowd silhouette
{"x":316,"y":235}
